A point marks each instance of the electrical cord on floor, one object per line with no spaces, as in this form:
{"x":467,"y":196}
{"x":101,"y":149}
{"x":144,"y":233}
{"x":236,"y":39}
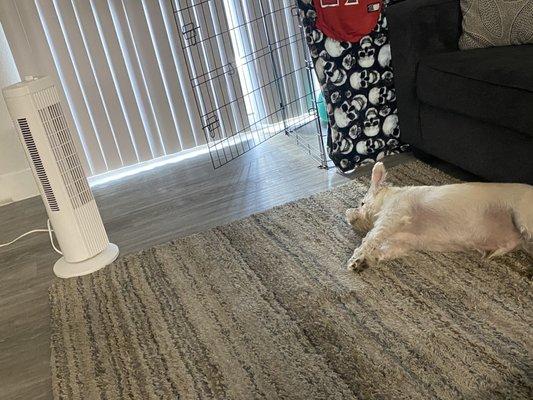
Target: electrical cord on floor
{"x":49,"y":230}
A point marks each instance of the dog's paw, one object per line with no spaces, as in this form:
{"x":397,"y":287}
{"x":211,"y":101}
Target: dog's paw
{"x":356,"y":263}
{"x":351,"y":216}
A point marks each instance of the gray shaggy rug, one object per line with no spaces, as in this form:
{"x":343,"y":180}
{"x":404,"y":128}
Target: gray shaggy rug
{"x":263,"y":308}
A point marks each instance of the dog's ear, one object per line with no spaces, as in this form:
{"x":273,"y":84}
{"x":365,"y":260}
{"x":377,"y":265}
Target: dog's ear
{"x":379,"y":173}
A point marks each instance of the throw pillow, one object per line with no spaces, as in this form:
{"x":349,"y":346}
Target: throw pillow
{"x":489,"y":23}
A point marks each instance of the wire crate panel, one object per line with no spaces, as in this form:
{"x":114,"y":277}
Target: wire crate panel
{"x":248,"y":65}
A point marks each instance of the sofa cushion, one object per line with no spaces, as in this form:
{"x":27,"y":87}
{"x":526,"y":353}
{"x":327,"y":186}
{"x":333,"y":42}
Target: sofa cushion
{"x":494,"y":85}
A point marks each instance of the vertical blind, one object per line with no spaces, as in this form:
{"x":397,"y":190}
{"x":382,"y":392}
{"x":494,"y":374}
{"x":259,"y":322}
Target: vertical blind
{"x":124,"y":72}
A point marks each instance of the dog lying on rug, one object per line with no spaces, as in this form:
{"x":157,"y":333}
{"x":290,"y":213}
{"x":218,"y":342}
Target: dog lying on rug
{"x":492,"y":218}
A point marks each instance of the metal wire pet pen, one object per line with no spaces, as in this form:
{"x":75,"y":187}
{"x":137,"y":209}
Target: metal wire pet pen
{"x":250,"y":69}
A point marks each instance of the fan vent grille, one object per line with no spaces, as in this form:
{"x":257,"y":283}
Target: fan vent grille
{"x":37,"y":163}
{"x":62,"y":145}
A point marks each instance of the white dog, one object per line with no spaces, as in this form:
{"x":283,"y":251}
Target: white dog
{"x":492,"y":218}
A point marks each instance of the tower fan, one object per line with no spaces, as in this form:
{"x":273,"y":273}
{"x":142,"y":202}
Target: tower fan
{"x":36,"y":110}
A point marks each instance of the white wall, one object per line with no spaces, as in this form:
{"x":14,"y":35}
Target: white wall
{"x":16,"y":179}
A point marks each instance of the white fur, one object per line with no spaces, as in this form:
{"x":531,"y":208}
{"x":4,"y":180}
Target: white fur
{"x":492,"y":218}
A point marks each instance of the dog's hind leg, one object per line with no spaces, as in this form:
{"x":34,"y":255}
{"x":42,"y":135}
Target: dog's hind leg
{"x":523,"y":217}
{"x":528,"y":248}
{"x":502,"y":250}
{"x":523,"y":221}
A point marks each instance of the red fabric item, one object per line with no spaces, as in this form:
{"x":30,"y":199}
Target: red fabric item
{"x":347,"y":20}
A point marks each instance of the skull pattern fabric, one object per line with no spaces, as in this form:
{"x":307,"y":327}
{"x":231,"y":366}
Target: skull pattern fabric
{"x":357,"y":81}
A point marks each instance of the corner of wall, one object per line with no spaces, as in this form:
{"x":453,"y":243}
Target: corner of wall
{"x":17,"y":186}
{"x":16,"y":179}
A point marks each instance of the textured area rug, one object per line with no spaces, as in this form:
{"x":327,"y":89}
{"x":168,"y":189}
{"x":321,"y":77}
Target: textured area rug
{"x":263,"y":308}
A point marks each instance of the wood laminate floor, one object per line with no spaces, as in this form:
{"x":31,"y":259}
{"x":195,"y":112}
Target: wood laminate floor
{"x":139,"y":211}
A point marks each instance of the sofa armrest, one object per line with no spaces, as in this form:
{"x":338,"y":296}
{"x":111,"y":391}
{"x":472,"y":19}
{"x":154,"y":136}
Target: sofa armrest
{"x":418,"y":28}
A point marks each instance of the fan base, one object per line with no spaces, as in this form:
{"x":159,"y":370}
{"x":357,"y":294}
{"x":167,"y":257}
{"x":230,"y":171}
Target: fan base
{"x":64,"y":269}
